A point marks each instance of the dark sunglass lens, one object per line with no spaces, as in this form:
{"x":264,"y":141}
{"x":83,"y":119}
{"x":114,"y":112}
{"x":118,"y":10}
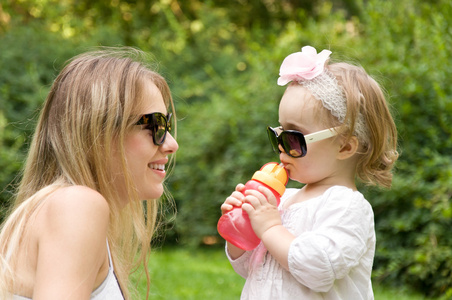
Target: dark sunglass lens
{"x":293,"y":144}
{"x":158,"y":124}
{"x":160,"y":128}
{"x":272,"y":136}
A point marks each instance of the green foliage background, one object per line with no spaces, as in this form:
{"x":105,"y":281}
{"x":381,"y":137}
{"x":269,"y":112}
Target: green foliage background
{"x":222,"y":59}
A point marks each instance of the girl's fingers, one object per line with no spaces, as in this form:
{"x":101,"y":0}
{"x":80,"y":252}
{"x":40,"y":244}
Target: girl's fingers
{"x":258,"y":195}
{"x":234,"y":201}
{"x":225,"y":208}
{"x":255,"y":202}
{"x":269,"y":195}
{"x":248,"y":208}
{"x":238,"y":195}
{"x":240,"y":187}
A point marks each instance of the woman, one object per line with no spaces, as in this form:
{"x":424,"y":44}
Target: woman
{"x":100,"y":147}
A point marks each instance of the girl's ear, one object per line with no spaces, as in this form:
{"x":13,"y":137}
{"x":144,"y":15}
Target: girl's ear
{"x":349,"y":148}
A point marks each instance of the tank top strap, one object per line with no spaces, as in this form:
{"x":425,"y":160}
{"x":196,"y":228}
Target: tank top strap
{"x":110,"y":261}
{"x":110,"y":288}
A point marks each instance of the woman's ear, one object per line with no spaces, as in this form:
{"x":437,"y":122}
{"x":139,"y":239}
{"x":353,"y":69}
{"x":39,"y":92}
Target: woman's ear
{"x":348,"y":148}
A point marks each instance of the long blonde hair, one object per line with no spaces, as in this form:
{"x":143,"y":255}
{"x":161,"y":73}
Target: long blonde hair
{"x":91,"y":105}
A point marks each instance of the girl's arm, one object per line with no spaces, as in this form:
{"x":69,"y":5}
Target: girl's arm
{"x":266,"y":221}
{"x":234,"y":252}
{"x":277,"y":240}
{"x":341,"y":238}
{"x":71,"y":236}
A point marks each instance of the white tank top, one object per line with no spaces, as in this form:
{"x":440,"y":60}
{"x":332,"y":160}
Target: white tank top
{"x":108,"y":290}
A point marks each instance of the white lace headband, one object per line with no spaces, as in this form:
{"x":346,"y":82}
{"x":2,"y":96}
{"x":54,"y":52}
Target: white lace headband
{"x":307,"y":68}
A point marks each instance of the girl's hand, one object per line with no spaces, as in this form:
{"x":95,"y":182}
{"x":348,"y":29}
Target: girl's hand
{"x":262,"y":209}
{"x":235,"y":200}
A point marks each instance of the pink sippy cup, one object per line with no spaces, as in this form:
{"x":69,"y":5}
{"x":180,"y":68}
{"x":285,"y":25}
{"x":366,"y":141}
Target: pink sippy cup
{"x":235,"y":226}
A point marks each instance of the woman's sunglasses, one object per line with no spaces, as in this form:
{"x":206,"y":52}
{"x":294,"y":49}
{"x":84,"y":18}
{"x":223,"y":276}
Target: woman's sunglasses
{"x":294,"y":142}
{"x":158,"y":124}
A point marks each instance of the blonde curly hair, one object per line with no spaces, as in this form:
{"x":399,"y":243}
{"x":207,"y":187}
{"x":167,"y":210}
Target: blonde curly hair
{"x":365,"y":99}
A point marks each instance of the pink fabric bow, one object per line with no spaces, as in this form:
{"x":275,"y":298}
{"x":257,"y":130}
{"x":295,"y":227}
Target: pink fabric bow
{"x":304,"y":65}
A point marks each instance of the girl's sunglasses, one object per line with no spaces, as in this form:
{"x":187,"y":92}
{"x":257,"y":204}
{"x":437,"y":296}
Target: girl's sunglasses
{"x":294,"y":142}
{"x":158,"y":124}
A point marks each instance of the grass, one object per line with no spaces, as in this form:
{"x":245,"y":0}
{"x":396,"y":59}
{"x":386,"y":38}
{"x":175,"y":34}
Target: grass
{"x":383,"y":293}
{"x":179,"y":273}
{"x":184,"y":274}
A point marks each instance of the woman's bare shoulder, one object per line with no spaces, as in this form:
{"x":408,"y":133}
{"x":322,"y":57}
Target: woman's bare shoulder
{"x":73,"y":209}
{"x":70,"y":230}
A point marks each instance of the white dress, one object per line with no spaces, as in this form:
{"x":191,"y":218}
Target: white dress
{"x":331,"y":257}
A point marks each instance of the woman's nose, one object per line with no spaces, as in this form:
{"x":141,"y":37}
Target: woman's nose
{"x":170,"y":145}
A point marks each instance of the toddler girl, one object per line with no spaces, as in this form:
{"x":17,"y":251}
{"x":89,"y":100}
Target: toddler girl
{"x":320,"y":242}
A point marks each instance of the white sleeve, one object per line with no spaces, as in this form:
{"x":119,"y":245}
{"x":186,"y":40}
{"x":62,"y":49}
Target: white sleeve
{"x":342,"y":228}
{"x":240,"y":264}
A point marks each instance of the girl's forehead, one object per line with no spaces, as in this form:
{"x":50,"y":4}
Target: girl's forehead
{"x":297,"y":107}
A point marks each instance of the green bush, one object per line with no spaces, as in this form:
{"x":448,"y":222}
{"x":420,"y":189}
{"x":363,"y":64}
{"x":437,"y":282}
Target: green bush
{"x":413,"y":219}
{"x":29,"y":60}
